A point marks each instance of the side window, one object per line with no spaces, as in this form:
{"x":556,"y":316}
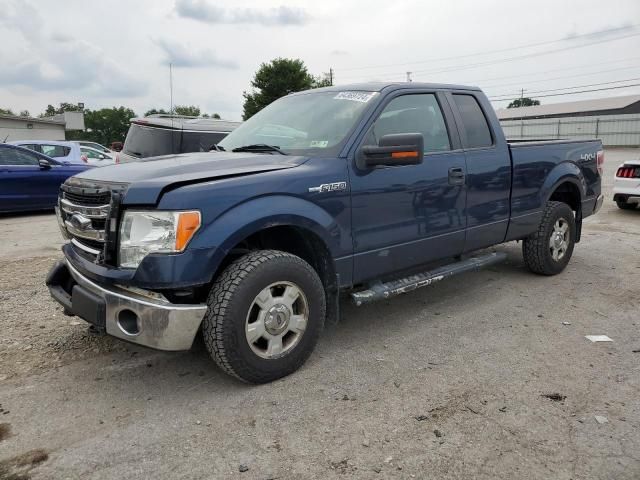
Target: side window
{"x":25,"y":158}
{"x":55,"y":150}
{"x":35,"y":148}
{"x":199,"y":141}
{"x":474,"y":122}
{"x":417,"y":113}
{"x":7,"y":156}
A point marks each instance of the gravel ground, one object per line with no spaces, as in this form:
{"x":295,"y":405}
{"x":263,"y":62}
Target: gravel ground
{"x":476,"y":378}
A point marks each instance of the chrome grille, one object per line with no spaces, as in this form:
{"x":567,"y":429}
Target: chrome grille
{"x":84,"y":212}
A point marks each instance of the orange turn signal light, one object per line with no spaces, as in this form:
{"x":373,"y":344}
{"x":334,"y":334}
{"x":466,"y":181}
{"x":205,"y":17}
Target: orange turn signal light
{"x":188,"y":225}
{"x":410,"y":154}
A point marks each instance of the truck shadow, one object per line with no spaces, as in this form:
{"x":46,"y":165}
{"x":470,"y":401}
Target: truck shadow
{"x":359,"y":329}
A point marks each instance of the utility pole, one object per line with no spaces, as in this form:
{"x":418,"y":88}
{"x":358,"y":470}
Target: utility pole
{"x":170,"y":89}
{"x":331,"y":76}
{"x":409,"y":76}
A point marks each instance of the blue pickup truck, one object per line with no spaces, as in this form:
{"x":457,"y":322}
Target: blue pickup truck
{"x":371,"y":190}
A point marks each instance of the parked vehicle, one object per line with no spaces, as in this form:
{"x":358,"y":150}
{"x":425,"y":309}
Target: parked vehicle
{"x":373,"y":189}
{"x":56,"y":149}
{"x":97,"y":158}
{"x":31,"y":180}
{"x":95,"y":146}
{"x":626,"y":186}
{"x":158,"y":135}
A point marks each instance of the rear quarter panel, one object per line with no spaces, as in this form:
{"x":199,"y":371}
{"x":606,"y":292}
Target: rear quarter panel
{"x":539,"y":168}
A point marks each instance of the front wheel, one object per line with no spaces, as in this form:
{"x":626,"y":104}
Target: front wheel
{"x":549,"y":249}
{"x":266,"y":312}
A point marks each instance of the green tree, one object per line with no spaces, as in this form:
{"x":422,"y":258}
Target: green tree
{"x":187,"y":110}
{"x":277,"y":79}
{"x":155,"y":111}
{"x":216,"y":116}
{"x":523,"y":102}
{"x":64,"y":107}
{"x":6,"y":111}
{"x":24,"y":113}
{"x":105,"y":125}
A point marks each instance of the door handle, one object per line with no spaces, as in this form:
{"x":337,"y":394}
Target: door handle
{"x":456,"y":176}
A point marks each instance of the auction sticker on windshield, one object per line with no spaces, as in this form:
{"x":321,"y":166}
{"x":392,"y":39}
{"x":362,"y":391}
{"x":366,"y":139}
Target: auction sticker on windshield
{"x":363,"y":97}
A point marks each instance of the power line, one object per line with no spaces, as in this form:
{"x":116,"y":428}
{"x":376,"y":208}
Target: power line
{"x":558,"y":78}
{"x":538,"y":44}
{"x":573,"y":93}
{"x":569,"y":88}
{"x":514,"y":58}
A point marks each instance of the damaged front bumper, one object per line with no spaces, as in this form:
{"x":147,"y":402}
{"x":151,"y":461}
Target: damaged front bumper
{"x":141,"y":317}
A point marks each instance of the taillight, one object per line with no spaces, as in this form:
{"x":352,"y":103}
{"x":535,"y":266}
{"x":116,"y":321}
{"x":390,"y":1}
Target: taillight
{"x":600,"y":161}
{"x":627,"y":172}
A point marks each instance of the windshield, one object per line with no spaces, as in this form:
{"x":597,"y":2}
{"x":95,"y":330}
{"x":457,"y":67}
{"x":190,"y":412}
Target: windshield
{"x":312,"y":123}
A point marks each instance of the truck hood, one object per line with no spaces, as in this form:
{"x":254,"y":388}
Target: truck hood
{"x":148,"y":178}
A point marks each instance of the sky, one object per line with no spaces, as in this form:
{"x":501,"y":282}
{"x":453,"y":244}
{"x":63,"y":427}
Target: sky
{"x":117,"y":52}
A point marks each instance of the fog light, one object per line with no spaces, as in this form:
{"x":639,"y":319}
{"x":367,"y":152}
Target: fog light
{"x":128,"y":322}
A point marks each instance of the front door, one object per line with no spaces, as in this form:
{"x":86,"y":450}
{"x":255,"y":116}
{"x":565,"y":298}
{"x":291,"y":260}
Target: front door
{"x":405,"y":216}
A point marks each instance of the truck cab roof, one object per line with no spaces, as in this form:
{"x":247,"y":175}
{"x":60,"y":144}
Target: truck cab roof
{"x":386,"y":86}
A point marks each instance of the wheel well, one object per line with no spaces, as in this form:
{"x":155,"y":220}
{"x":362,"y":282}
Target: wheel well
{"x":295,"y":240}
{"x":567,"y":193}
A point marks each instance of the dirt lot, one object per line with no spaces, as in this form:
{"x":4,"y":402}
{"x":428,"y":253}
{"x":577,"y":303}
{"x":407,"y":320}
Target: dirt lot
{"x":447,"y":382}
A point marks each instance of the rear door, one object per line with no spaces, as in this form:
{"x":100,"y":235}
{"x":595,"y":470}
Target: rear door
{"x":404,"y":216}
{"x":488,"y":170}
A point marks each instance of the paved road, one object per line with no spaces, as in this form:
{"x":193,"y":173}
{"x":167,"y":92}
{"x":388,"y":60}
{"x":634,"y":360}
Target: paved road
{"x":447,"y":382}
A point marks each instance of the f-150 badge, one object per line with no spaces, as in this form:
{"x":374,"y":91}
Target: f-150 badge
{"x":329,"y":187}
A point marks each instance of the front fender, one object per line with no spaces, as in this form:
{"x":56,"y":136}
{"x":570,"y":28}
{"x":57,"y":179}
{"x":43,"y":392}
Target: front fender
{"x":243,"y":220}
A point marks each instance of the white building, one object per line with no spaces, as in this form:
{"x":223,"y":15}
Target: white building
{"x":614,"y":120}
{"x":14,"y":127}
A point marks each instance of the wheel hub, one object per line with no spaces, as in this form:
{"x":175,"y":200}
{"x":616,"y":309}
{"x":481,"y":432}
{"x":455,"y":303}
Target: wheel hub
{"x":277,"y":319}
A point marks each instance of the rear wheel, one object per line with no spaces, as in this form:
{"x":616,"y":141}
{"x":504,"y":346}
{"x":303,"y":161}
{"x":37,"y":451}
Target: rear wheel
{"x":549,"y":249}
{"x":624,"y":205}
{"x":266,"y":312}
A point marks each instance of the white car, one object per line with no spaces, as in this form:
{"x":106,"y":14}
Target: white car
{"x":626,"y":187}
{"x":97,"y":146}
{"x":96,"y":158}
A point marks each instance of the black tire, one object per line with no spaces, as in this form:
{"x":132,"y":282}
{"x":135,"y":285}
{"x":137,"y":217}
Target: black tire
{"x":624,"y":205}
{"x":536,"y":249}
{"x":230,"y":299}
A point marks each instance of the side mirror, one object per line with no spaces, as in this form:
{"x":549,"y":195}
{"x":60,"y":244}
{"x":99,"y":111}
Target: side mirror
{"x":395,"y":150}
{"x":44,"y":164}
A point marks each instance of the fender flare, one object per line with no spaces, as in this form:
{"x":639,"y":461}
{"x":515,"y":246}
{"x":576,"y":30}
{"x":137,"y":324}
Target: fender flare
{"x":245,"y":219}
{"x":563,"y":173}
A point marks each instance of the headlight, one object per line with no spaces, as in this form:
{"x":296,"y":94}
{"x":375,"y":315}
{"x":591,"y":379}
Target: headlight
{"x":145,"y":232}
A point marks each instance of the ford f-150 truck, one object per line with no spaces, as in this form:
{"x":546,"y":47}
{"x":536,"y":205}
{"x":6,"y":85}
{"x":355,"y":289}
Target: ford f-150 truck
{"x":370,"y":190}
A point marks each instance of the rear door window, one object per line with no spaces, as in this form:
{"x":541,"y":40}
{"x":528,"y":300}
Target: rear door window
{"x":474,"y":122}
{"x":143,"y":141}
{"x":55,"y":150}
{"x":200,"y":141}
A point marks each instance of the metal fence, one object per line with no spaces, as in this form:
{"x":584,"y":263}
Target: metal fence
{"x":613,"y":130}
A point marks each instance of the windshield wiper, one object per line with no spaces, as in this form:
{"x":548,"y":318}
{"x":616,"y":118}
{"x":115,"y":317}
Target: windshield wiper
{"x":259,"y":147}
{"x":216,"y":148}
